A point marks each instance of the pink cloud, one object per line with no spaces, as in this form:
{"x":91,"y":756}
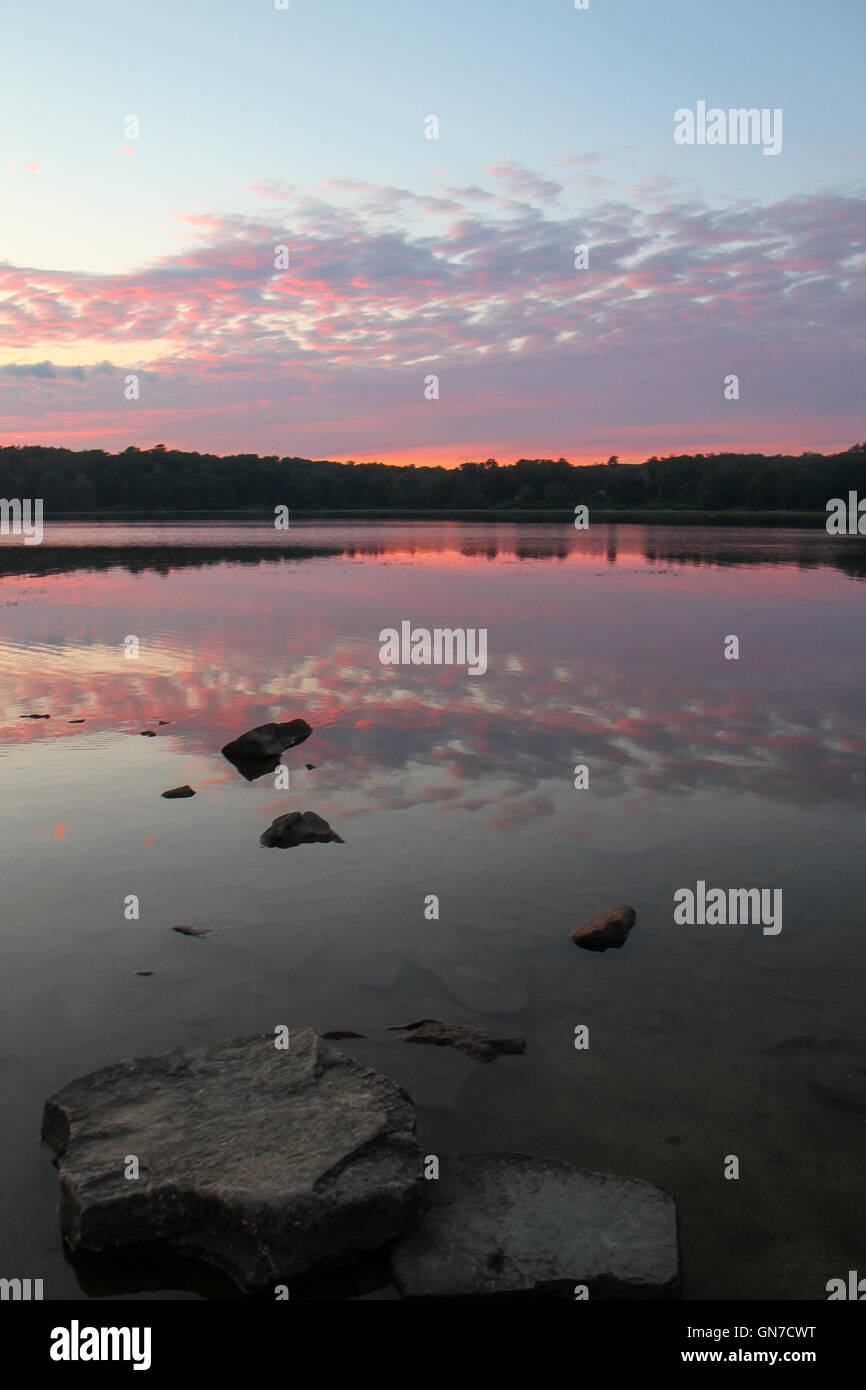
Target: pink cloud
{"x":385,"y":286}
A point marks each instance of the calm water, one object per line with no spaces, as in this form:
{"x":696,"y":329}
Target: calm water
{"x":605,"y":648}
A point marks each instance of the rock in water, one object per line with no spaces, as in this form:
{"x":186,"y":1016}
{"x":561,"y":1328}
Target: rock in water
{"x":506,"y":1223}
{"x":176,"y":792}
{"x":263,"y":1161}
{"x":841,"y":1088}
{"x":267,"y":740}
{"x":472,"y":1041}
{"x":606,"y":930}
{"x":298,"y":828}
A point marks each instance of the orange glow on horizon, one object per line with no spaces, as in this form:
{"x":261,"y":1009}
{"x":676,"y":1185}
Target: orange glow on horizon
{"x":452,"y":458}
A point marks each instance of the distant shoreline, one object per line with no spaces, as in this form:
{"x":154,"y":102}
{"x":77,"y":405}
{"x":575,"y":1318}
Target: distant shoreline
{"x":627,"y":516}
{"x":713,"y":489}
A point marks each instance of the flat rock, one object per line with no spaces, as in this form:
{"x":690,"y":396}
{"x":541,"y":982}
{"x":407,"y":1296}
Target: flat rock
{"x":507,"y":1223}
{"x":475,"y":1043}
{"x":175,"y":793}
{"x":605,"y":930}
{"x":267,"y":740}
{"x":298,"y":828}
{"x":265,"y":1162}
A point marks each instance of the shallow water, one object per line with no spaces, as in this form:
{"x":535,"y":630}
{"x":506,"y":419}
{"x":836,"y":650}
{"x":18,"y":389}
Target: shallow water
{"x":606,"y":649}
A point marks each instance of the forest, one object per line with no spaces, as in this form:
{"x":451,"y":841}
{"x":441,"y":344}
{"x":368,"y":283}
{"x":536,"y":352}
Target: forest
{"x":161,"y":479}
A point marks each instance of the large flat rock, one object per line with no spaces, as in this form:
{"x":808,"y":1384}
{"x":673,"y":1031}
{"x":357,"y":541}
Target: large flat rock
{"x":507,"y":1223}
{"x":266,"y":1162}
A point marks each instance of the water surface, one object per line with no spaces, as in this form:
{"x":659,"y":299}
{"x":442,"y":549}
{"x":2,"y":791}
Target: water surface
{"x":605,"y":649}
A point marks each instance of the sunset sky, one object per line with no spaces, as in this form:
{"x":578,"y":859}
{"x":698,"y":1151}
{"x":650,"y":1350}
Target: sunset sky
{"x":155,"y":254}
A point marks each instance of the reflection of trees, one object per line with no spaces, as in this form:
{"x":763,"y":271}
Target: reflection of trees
{"x":807,"y":550}
{"x":157,"y":559}
{"x":659,"y":546}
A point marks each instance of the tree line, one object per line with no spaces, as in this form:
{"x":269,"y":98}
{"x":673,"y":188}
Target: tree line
{"x":91,"y":480}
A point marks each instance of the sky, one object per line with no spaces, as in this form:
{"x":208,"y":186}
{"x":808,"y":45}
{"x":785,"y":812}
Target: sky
{"x":146,"y":247}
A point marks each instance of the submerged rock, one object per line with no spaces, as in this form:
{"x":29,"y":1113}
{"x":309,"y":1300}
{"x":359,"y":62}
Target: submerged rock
{"x":299,"y":828}
{"x":840,"y":1088}
{"x":146,"y":733}
{"x":803,"y":1042}
{"x":507,"y":1223}
{"x":263,"y":745}
{"x":605,"y":930}
{"x":472,"y":1041}
{"x":192,"y":931}
{"x":338,"y":1033}
{"x":262,"y":1161}
{"x":34,"y":716}
{"x":176,"y":792}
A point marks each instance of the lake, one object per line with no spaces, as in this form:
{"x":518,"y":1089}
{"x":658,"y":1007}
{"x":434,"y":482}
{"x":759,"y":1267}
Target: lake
{"x":605,"y":649}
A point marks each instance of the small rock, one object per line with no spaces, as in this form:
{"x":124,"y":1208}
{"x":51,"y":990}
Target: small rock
{"x":507,"y":1223}
{"x":144,"y":972}
{"x":76,"y":721}
{"x":338,"y":1033}
{"x":163,"y":721}
{"x":472,"y":1041}
{"x":146,"y":733}
{"x":177,"y":792}
{"x":192,"y":931}
{"x":299,"y":828}
{"x":34,"y":716}
{"x":265,"y":1162}
{"x":309,"y":766}
{"x":606,"y":930}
